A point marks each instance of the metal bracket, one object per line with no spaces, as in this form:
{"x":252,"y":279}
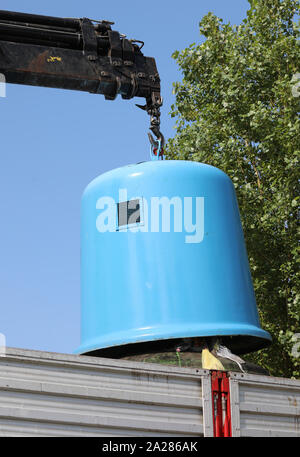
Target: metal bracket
{"x":116,"y":87}
{"x":90,"y":44}
{"x":115,"y":50}
{"x":128,"y":52}
{"x":134,"y":86}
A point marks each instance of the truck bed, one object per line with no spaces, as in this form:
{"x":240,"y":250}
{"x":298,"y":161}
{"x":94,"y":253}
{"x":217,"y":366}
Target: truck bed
{"x":51,"y":394}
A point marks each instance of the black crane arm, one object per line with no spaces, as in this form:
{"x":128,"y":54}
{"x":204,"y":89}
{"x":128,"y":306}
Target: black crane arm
{"x":78,"y":54}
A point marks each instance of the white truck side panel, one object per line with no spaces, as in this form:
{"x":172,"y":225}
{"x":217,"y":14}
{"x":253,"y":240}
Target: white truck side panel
{"x":264,"y":406}
{"x":48,"y":394}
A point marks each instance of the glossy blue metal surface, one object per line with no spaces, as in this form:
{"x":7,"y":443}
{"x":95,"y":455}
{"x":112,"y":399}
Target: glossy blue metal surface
{"x":149,"y":280}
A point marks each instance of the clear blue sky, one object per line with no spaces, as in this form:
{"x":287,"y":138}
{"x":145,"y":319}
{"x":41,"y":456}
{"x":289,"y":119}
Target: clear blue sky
{"x":53,"y":143}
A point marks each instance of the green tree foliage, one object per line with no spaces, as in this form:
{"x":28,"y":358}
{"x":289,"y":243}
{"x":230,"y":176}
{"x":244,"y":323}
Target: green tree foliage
{"x":237,"y":108}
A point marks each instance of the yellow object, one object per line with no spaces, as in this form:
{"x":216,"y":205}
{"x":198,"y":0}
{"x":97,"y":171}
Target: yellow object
{"x":210,"y":362}
{"x":54,"y":59}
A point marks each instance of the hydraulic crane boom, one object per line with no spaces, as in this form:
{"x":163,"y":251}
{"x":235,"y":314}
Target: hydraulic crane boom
{"x":78,"y":54}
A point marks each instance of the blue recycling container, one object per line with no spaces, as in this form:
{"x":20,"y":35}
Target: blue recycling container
{"x":163,"y":257}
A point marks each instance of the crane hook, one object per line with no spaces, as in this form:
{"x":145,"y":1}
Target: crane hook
{"x":153,"y":109}
{"x":156,"y":146}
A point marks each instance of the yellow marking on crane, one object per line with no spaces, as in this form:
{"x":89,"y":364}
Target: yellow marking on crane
{"x":54,"y":59}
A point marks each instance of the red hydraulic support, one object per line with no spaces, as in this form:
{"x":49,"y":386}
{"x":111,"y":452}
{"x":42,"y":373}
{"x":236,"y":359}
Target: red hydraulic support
{"x":221,"y":403}
{"x":216,"y":402}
